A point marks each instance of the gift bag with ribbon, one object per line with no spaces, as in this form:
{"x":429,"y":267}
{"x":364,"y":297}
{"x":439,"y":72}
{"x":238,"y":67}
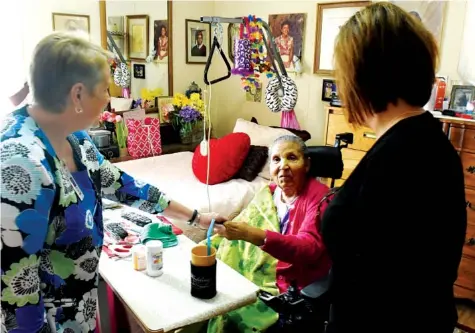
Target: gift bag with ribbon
{"x":144,"y":137}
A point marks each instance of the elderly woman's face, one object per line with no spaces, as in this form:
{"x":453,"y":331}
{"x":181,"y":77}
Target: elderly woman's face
{"x":288,"y":166}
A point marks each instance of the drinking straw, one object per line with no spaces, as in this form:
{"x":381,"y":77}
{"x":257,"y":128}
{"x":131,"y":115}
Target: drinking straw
{"x":208,"y":235}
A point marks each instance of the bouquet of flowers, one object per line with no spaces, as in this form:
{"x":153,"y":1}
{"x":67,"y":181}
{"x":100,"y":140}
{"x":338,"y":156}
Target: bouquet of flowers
{"x":112,"y":120}
{"x":148,"y":97}
{"x":187,"y":111}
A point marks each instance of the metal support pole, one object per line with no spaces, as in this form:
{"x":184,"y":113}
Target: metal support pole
{"x":217,"y":19}
{"x":269,"y":41}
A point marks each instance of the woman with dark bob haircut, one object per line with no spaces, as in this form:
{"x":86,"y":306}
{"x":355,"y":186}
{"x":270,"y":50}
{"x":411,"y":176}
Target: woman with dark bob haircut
{"x":396,"y":228}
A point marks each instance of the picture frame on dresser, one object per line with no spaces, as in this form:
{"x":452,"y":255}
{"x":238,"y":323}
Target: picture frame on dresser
{"x":460,"y":96}
{"x":328,"y":90}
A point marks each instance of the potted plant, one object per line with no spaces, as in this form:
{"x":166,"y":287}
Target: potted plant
{"x":187,"y":117}
{"x":116,"y":124}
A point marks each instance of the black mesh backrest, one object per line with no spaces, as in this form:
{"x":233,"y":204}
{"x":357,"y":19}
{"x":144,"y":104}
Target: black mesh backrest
{"x":326,"y":162}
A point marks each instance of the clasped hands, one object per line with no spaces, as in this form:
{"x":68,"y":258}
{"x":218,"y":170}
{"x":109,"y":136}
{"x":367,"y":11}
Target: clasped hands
{"x":233,"y":230}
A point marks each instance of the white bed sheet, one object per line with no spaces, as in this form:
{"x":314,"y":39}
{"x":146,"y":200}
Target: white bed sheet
{"x":173,"y":175}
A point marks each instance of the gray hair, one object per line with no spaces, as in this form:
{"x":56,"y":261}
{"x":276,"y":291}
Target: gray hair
{"x":290,"y":138}
{"x":61,"y":60}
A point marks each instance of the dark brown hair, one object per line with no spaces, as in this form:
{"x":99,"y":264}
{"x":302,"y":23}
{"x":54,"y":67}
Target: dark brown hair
{"x":383,"y":54}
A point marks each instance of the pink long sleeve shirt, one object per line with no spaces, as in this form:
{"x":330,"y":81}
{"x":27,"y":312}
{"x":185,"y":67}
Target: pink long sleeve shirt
{"x":300,"y":251}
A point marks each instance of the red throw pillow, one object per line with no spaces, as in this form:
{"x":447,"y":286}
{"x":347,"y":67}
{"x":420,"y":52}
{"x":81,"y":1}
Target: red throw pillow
{"x":227,"y":156}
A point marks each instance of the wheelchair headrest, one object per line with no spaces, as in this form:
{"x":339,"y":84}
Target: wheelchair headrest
{"x":326,"y":162}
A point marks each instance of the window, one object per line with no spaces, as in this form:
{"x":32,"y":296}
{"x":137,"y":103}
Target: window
{"x":466,"y":67}
{"x":12,"y":65}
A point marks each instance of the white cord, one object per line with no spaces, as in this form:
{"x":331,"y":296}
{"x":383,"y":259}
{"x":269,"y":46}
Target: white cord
{"x":207,"y":119}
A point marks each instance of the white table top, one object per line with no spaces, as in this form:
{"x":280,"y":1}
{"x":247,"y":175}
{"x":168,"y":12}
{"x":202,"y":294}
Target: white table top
{"x":164,"y":303}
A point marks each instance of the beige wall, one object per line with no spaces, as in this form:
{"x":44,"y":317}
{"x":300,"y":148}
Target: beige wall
{"x":229,"y":98}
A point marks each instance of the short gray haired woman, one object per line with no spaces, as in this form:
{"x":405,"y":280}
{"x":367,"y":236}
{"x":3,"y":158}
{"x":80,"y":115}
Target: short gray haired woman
{"x":53,"y":178}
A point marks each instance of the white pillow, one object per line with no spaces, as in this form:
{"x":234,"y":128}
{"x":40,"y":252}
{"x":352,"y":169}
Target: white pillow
{"x":260,"y":136}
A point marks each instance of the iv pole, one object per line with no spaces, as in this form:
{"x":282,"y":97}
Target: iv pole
{"x":273,"y":52}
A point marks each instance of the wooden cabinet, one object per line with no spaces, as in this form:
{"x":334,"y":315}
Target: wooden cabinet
{"x":462,"y":135}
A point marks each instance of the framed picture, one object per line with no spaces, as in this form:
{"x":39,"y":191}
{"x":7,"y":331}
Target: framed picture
{"x":328,"y":90}
{"x":198,"y":41}
{"x":430,"y":12}
{"x":288,"y":32}
{"x":161,"y":40}
{"x":71,"y":22}
{"x":115,"y":24}
{"x":233,"y":35}
{"x":330,"y":16}
{"x":139,"y":71}
{"x":460,"y":96}
{"x":165,"y":106}
{"x":137,"y":37}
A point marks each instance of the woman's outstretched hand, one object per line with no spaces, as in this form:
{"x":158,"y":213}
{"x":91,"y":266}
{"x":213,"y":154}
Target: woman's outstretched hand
{"x":241,"y":231}
{"x":205,"y":220}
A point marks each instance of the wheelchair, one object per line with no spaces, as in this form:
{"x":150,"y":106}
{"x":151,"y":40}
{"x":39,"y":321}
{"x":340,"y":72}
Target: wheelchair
{"x":309,"y":309}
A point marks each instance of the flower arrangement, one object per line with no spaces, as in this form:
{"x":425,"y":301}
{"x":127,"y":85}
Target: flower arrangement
{"x":188,"y":114}
{"x":194,"y":101}
{"x":120,"y":128}
{"x":148,"y":97}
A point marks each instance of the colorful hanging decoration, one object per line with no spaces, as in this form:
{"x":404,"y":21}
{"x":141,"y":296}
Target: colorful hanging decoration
{"x":242,"y":50}
{"x":251,"y":39}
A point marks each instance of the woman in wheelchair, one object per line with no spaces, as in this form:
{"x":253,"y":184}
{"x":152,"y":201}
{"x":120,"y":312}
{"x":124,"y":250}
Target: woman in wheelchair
{"x":297,"y":244}
{"x":275,"y":241}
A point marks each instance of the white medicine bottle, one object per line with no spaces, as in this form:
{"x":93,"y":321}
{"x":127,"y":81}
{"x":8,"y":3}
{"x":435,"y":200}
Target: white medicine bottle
{"x":154,"y":251}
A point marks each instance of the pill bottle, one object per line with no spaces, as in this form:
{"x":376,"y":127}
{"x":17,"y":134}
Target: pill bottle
{"x":154,"y":253}
{"x":139,"y":258}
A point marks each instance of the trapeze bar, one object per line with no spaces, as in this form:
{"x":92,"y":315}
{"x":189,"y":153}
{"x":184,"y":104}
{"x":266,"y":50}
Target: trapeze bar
{"x":217,"y":19}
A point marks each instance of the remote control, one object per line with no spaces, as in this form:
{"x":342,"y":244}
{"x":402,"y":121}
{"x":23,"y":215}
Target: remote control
{"x":138,"y":219}
{"x":116,"y":230}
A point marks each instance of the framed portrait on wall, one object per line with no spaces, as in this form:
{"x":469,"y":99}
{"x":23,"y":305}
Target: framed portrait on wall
{"x":431,"y":13}
{"x":137,"y":37}
{"x":139,"y":71}
{"x":330,"y":16}
{"x":71,"y":22}
{"x":288,"y":32}
{"x":161,"y":40}
{"x":198,"y":41}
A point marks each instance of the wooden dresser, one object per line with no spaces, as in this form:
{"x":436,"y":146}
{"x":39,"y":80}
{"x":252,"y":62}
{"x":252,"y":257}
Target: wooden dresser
{"x":462,"y":135}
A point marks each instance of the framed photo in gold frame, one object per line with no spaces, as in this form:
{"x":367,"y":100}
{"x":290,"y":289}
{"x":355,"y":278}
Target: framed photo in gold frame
{"x":330,"y":16}
{"x":137,"y":37}
{"x":165,"y":106}
{"x":71,"y":22}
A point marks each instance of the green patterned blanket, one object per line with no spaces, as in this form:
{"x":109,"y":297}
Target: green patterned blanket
{"x":253,"y":263}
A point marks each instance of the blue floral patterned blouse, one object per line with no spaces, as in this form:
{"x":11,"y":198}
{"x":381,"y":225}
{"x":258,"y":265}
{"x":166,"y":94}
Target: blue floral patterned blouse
{"x":51,"y":234}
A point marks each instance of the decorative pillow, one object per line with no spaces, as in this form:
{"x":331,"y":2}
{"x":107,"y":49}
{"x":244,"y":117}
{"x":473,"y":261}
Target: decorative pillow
{"x":260,"y":136}
{"x":304,"y":135}
{"x":227,"y":156}
{"x":254,"y":163}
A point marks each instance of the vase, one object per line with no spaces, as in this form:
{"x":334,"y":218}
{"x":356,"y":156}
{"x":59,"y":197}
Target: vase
{"x":123,"y":152}
{"x":186,"y":136}
{"x":193,"y":135}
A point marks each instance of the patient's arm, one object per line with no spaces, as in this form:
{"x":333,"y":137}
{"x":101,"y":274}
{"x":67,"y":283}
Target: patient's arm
{"x":306,"y":245}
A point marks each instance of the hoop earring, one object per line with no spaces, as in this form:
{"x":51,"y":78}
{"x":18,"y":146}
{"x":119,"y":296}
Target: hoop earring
{"x":78,"y":110}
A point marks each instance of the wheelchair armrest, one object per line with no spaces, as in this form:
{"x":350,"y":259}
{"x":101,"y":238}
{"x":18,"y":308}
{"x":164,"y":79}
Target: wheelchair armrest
{"x":317,"y":288}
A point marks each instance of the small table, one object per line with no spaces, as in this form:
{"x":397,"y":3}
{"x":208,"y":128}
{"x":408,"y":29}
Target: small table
{"x":164,"y":303}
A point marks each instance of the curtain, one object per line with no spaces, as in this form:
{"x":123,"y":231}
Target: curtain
{"x":466,"y":68}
